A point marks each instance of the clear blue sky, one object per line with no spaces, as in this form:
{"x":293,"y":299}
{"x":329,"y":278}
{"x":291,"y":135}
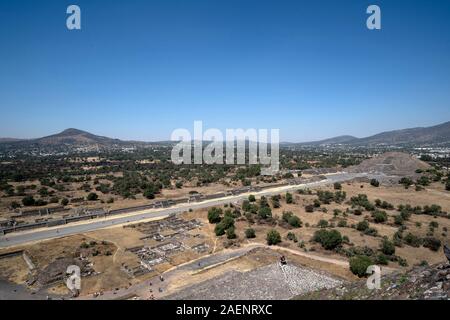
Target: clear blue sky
{"x":140,"y":69}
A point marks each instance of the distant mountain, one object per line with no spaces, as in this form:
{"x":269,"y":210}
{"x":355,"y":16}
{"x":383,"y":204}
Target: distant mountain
{"x":76,"y":137}
{"x":335,"y":140}
{"x":9,"y":140}
{"x":69,"y":138}
{"x":428,"y":135}
{"x":439,"y":134}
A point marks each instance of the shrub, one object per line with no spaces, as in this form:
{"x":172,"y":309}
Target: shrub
{"x":406,"y":182}
{"x":309,"y":208}
{"x":286,"y":215}
{"x":219,"y":230}
{"x":398,"y":220}
{"x":289,"y":198}
{"x":84,"y":245}
{"x":371,"y":232}
{"x":295,"y":222}
{"x":412,"y":240}
{"x":362,"y":201}
{"x":342,"y":223}
{"x":328,"y":239}
{"x":402,"y":262}
{"x":387,"y":247}
{"x":359,"y":265}
{"x":264,"y":212}
{"x":251,"y":198}
{"x":432,"y":243}
{"x":362,"y":226}
{"x":28,"y":201}
{"x":375,"y":183}
{"x":15,"y":205}
{"x":231,"y":234}
{"x":92,"y":196}
{"x":434,"y":224}
{"x":379,"y":216}
{"x":325,"y":197}
{"x":250,"y":233}
{"x":322,"y":223}
{"x":382,"y":259}
{"x":291,"y":236}
{"x":214,"y":215}
{"x":273,"y":237}
{"x":64,"y":201}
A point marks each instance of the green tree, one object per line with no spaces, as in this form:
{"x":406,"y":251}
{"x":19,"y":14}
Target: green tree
{"x":273,"y":237}
{"x":251,"y":198}
{"x":289,"y":198}
{"x":379,"y":216}
{"x":387,"y":247}
{"x":295,"y":222}
{"x":28,"y":201}
{"x":362,"y":226}
{"x":359,"y":265}
{"x":328,"y":239}
{"x":265,"y":212}
{"x":250,"y":233}
{"x":214,"y":215}
{"x":92,"y":197}
{"x":231,"y":234}
{"x":374,"y":183}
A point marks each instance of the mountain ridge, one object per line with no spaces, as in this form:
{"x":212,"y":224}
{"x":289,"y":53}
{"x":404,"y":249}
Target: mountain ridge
{"x":438,"y":134}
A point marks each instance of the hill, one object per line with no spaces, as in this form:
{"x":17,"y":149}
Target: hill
{"x":435,"y":135}
{"x":69,"y":138}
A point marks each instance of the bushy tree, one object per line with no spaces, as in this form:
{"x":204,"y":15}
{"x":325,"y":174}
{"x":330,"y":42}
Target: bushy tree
{"x":250,"y":233}
{"x":295,"y":222}
{"x":412,"y":240}
{"x":359,"y":265}
{"x":214,"y":215}
{"x":251,"y":198}
{"x":362,"y":226}
{"x":322,"y":223}
{"x":375,"y":183}
{"x":92,"y":196}
{"x":273,"y":237}
{"x":28,"y":201}
{"x":265,"y":212}
{"x":379,"y":216}
{"x":231,"y":234}
{"x":387,"y":247}
{"x":328,"y":239}
{"x":432,"y":243}
{"x":289,"y":198}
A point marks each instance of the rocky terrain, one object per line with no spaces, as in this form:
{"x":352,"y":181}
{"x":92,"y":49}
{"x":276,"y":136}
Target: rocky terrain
{"x":420,"y":283}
